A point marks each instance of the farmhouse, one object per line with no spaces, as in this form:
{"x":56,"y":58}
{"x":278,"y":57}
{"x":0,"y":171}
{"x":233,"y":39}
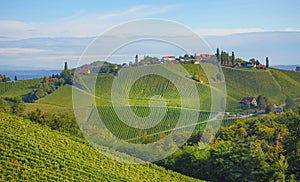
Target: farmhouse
{"x":260,"y":66}
{"x":85,"y":70}
{"x":251,"y":100}
{"x":52,"y":79}
{"x":278,"y":109}
{"x":168,"y":59}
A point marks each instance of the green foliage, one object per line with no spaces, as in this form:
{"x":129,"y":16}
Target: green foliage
{"x":255,"y":149}
{"x":262,"y":102}
{"x":292,"y":142}
{"x":18,"y":106}
{"x":19,"y":88}
{"x":289,"y":103}
{"x":63,"y":122}
{"x":42,"y":89}
{"x":35,"y":153}
{"x":5,"y":78}
{"x":68,"y":76}
{"x":4,"y":106}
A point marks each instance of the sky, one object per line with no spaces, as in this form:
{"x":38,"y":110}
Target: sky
{"x":29,"y":19}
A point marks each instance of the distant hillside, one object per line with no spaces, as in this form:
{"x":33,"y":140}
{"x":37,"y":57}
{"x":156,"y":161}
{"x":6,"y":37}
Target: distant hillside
{"x":286,"y":67}
{"x":273,"y":83}
{"x":35,"y":153}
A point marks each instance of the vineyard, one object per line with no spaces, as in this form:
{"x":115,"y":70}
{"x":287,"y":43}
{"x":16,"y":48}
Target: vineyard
{"x":125,"y":132}
{"x":288,"y":85}
{"x":243,"y":83}
{"x":30,"y":152}
{"x":61,"y":97}
{"x":274,"y":84}
{"x":19,"y":88}
{"x":5,"y":86}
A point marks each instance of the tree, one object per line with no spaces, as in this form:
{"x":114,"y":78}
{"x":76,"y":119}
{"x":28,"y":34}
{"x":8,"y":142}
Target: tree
{"x":18,"y":106}
{"x":267,"y":62}
{"x":269,"y":109}
{"x":66,"y":66}
{"x":292,"y":142}
{"x":218,"y":55}
{"x":252,"y":60}
{"x":16,"y":79}
{"x":257,"y":62}
{"x":298,"y":68}
{"x":246,"y":105}
{"x":289,"y":103}
{"x":262,"y":102}
{"x":229,"y":162}
{"x":232,"y":58}
{"x":136,"y":60}
{"x":222,"y":58}
{"x":4,"y":106}
{"x":5,"y":78}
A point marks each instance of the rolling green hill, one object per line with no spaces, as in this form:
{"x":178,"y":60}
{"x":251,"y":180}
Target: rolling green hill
{"x":19,"y":88}
{"x":60,"y":97}
{"x":30,"y":152}
{"x":273,"y":83}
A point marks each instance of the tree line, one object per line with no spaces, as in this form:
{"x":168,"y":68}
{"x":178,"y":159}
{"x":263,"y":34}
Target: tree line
{"x":255,"y":149}
{"x":50,"y":84}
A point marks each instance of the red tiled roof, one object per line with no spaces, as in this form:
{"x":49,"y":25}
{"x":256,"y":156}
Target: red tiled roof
{"x":249,"y":99}
{"x":84,"y":70}
{"x":52,"y":79}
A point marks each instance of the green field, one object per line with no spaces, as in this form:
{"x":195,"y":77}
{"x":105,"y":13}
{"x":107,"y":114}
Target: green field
{"x":60,"y":97}
{"x":30,"y":152}
{"x":19,"y":88}
{"x":125,"y":132}
{"x":274,"y":84}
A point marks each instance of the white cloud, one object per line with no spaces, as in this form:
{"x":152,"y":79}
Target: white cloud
{"x":78,"y":25}
{"x":222,"y":32}
{"x":20,"y":51}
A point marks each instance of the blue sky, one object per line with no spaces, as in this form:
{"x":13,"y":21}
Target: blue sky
{"x":73,"y":18}
{"x":216,"y":17}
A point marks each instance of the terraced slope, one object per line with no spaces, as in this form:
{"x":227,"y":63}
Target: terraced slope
{"x":273,"y":83}
{"x":31,"y":152}
{"x":19,"y":88}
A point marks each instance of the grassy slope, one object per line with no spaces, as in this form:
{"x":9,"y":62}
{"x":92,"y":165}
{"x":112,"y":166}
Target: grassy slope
{"x":273,"y":83}
{"x":35,"y":153}
{"x":18,"y":88}
{"x":249,"y":82}
{"x":60,"y":97}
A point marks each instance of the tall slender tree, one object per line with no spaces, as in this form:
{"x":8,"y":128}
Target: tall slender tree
{"x":267,"y":62}
{"x":218,"y":55}
{"x":222,"y":58}
{"x":232,"y":58}
{"x":136,"y":60}
{"x":66,"y":66}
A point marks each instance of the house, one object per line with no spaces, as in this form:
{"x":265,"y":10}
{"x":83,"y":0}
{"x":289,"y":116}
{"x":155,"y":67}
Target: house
{"x":168,"y":59}
{"x":278,"y":109}
{"x":236,"y":65}
{"x":251,"y":100}
{"x":249,"y":65}
{"x":259,"y":66}
{"x":196,"y":62}
{"x":52,"y":79}
{"x":85,"y":70}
